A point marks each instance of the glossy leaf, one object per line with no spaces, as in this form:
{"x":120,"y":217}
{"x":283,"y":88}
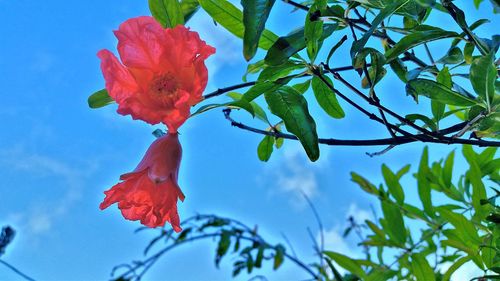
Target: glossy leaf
{"x":189,"y":8}
{"x":437,"y":92}
{"x":483,"y":75}
{"x":416,"y":38}
{"x":167,"y":12}
{"x":231,"y":18}
{"x":287,"y":46}
{"x":383,"y":14}
{"x":265,"y":148}
{"x":255,"y":14}
{"x":291,"y":106}
{"x":99,"y":99}
{"x":326,"y":98}
{"x":313,"y":29}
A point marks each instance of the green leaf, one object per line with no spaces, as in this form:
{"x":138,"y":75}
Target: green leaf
{"x":167,"y":12}
{"x":231,"y":18}
{"x":99,"y":99}
{"x":287,"y":46}
{"x":384,"y":13}
{"x":291,"y":106}
{"x":453,"y":56}
{"x":421,"y":268}
{"x":260,"y":88}
{"x":313,"y":29}
{"x":265,"y":148}
{"x":255,"y":14}
{"x":428,"y":121}
{"x":437,"y":92}
{"x":279,"y":256}
{"x":364,"y":183}
{"x":397,"y":230}
{"x":347,"y":263}
{"x":222,"y":246}
{"x":189,"y":8}
{"x":438,"y":108}
{"x":273,"y":73}
{"x":468,"y":50}
{"x":423,"y":185}
{"x":302,"y":87}
{"x":478,"y":190}
{"x":393,"y":184}
{"x":448,"y":169}
{"x":483,"y":74}
{"x":465,"y":228}
{"x":456,"y":265}
{"x":326,"y":98}
{"x":416,"y":38}
{"x":257,"y":110}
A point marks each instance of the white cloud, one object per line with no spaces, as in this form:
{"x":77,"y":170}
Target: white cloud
{"x":360,"y":215}
{"x":39,"y":218}
{"x":295,"y":178}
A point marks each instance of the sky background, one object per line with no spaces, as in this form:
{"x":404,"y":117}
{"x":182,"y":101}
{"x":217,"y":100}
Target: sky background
{"x":57,"y":156}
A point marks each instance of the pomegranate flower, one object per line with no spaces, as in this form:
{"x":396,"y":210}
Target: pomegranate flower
{"x":150,"y":192}
{"x":163,"y":72}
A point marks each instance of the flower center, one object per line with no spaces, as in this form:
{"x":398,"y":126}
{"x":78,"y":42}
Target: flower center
{"x":164,"y":85}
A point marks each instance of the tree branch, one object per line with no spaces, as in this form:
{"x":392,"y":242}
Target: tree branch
{"x":371,"y":142}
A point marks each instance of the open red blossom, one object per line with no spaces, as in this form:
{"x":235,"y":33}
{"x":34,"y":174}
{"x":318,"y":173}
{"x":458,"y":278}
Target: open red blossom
{"x":163,"y":72}
{"x":150,"y":192}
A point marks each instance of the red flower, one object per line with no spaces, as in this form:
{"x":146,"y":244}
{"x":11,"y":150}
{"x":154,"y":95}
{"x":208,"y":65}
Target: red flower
{"x":163,"y":72}
{"x":150,"y":192}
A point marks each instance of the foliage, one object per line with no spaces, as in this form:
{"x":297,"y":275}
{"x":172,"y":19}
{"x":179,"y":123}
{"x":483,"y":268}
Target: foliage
{"x":386,"y":40}
{"x":404,"y":243}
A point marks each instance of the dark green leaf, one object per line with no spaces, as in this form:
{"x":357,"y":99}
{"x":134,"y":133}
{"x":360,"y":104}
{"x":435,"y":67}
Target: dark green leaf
{"x":291,"y":106}
{"x":189,"y":8}
{"x":428,"y":122}
{"x":279,"y":256}
{"x":255,"y":14}
{"x":326,"y":98}
{"x":437,"y":92}
{"x":167,"y":12}
{"x":99,"y":99}
{"x":384,"y":13}
{"x":313,"y":29}
{"x":273,"y":73}
{"x":453,"y":56}
{"x":416,"y":38}
{"x":287,"y":46}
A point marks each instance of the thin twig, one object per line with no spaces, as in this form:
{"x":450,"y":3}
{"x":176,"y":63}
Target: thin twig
{"x":17,"y":271}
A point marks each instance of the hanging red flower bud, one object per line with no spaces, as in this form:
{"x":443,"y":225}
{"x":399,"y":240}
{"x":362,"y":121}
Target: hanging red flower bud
{"x":163,"y":72}
{"x":150,"y":192}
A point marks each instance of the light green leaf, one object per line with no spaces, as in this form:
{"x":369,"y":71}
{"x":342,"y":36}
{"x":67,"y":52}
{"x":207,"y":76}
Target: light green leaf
{"x":167,"y":12}
{"x":291,"y":106}
{"x":393,"y":184}
{"x":423,"y":185}
{"x":483,"y":74}
{"x":351,"y":265}
{"x":265,"y":148}
{"x":326,"y":98}
{"x":364,"y":183}
{"x":396,"y":229}
{"x":456,"y":265}
{"x":255,"y":14}
{"x":421,"y":268}
{"x":99,"y":99}
{"x":231,"y":18}
{"x":437,"y":92}
{"x":273,"y":73}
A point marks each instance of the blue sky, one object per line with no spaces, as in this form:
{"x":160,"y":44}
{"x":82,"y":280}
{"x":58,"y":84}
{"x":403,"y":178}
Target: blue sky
{"x":57,"y":156}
